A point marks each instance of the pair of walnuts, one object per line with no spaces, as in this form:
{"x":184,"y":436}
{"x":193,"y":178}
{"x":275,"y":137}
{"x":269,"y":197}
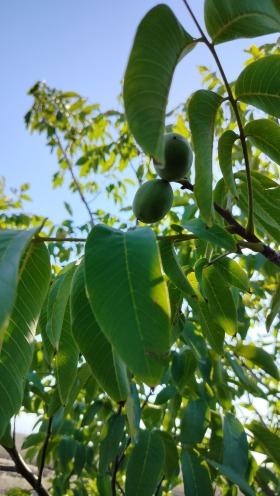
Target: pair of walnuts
{"x":155,"y":197}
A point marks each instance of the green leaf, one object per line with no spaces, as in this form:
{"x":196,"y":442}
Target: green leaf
{"x":220,"y":299}
{"x":106,"y":366}
{"x":133,"y":412}
{"x":269,"y":441}
{"x":82,"y":376}
{"x":264,"y":134}
{"x":202,"y":110}
{"x":129,"y":297}
{"x":171,"y":463}
{"x":235,"y":452}
{"x":65,"y":360}
{"x":17,"y":349}
{"x":172,"y":267}
{"x":213,"y":332}
{"x":274,"y":307}
{"x":196,"y":342}
{"x":104,"y":485}
{"x":228,"y":20}
{"x":195,"y":421}
{"x":259,"y":357}
{"x":216,"y":439}
{"x":58,"y":299}
{"x":12,"y":247}
{"x":233,"y":477}
{"x":214,"y":234}
{"x":233,"y":273}
{"x":258,"y":85}
{"x":182,"y":368}
{"x":249,"y":384}
{"x":109,"y":445}
{"x":196,"y":474}
{"x":34,"y":440}
{"x":80,"y":459}
{"x":145,"y":465}
{"x":159,"y":44}
{"x":226,"y":142}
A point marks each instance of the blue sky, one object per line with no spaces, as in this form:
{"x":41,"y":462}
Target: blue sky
{"x":83,"y":47}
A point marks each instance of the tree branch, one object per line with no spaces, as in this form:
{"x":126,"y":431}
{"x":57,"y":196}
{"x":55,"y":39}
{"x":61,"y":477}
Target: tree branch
{"x":44,"y":450}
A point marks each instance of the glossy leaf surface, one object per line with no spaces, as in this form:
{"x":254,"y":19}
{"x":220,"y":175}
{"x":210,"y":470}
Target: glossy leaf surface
{"x":129,"y":297}
{"x":159,"y":43}
{"x":227,"y":20}
{"x":202,"y":110}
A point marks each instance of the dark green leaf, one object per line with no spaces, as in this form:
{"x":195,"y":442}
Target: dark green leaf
{"x":183,"y":367}
{"x":258,"y":84}
{"x":225,"y":145}
{"x":133,"y":412}
{"x":195,"y":421}
{"x":172,"y":267}
{"x":17,"y":349}
{"x":235,"y":452}
{"x":220,"y":299}
{"x":159,"y":44}
{"x":106,"y":366}
{"x":269,"y":441}
{"x":171,"y":463}
{"x":196,"y":475}
{"x":104,"y":485}
{"x":165,"y":394}
{"x":195,"y":341}
{"x":109,"y":445}
{"x":80,"y":459}
{"x":214,"y":334}
{"x":265,"y":135}
{"x":227,"y":20}
{"x":233,"y":477}
{"x":274,"y":307}
{"x":202,"y":110}
{"x":129,"y":297}
{"x":259,"y":357}
{"x":214,"y":234}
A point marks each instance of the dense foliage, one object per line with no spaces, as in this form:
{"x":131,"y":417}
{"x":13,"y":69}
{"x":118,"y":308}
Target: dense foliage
{"x":150,"y":354}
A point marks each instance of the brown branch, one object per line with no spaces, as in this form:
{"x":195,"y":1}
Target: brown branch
{"x":49,"y":239}
{"x":44,"y":450}
{"x":23,"y":469}
{"x":8,"y":468}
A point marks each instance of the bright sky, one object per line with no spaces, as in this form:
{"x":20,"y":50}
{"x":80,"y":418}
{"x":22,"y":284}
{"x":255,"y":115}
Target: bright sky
{"x":83,"y":47}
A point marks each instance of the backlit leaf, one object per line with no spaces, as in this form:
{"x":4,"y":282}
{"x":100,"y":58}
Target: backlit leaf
{"x":258,"y":85}
{"x":264,"y":134}
{"x":274,"y":307}
{"x":269,"y":441}
{"x":160,"y":42}
{"x":105,"y":364}
{"x":213,"y":332}
{"x":172,"y":267}
{"x":225,"y":145}
{"x":233,"y":273}
{"x":196,"y":474}
{"x":227,"y":20}
{"x":202,"y":110}
{"x":129,"y":297}
{"x":145,"y":465}
{"x":259,"y":357}
{"x":214,"y":234}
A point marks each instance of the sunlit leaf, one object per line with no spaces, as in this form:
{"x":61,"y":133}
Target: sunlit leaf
{"x":227,"y":20}
{"x":259,"y":357}
{"x":172,"y":267}
{"x":258,"y":84}
{"x":233,"y":273}
{"x":274,"y":307}
{"x":129,"y":297}
{"x":202,"y":110}
{"x":269,"y":441}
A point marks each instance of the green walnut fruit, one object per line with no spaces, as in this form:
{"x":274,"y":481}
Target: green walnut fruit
{"x":152,"y":201}
{"x":178,"y":158}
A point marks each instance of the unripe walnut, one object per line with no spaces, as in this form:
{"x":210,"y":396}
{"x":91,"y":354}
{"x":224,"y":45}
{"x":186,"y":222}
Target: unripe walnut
{"x":178,"y":158}
{"x":152,"y":201}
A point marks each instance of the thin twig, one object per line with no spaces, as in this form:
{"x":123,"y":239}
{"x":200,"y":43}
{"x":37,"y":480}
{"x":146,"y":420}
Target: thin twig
{"x":8,"y":468}
{"x":44,"y":450}
{"x":250,"y":225}
{"x":50,"y":239}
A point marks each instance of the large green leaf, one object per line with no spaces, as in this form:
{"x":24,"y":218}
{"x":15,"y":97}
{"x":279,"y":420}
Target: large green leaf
{"x":225,"y":145}
{"x":220,"y":299}
{"x":145,"y":465}
{"x":258,"y":84}
{"x":172,"y":267}
{"x":12,"y":247}
{"x":17,"y":347}
{"x":105,"y":364}
{"x":274,"y":307}
{"x":171,"y":462}
{"x":259,"y":357}
{"x":227,"y":20}
{"x":65,"y":360}
{"x":159,"y":44}
{"x":202,"y":110}
{"x":129,"y":297}
{"x":110,"y":439}
{"x":214,"y":234}
{"x":235,"y":446}
{"x":196,"y":474}
{"x":264,"y":134}
{"x":233,"y":273}
{"x":213,"y":332}
{"x":195,"y":341}
{"x":57,"y":303}
{"x":233,"y":477}
{"x":195,"y":421}
{"x":269,"y":441}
